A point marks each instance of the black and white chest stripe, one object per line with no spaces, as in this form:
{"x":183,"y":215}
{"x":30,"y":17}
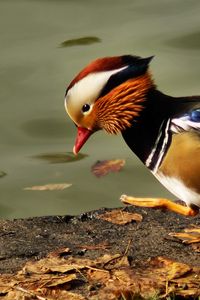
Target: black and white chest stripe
{"x":160,"y":147}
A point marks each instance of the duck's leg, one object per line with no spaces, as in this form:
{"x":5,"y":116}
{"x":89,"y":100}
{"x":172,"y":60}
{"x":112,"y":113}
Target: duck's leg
{"x":160,"y":203}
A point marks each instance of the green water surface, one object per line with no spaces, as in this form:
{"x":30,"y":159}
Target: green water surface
{"x":43,"y":44}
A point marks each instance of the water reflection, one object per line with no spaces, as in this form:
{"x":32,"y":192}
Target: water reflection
{"x":45,"y":128}
{"x":59,"y":158}
{"x":188,"y":41}
{"x":2,"y":174}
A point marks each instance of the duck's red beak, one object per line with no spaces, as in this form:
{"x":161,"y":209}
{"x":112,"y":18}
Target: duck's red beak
{"x":83,"y":135}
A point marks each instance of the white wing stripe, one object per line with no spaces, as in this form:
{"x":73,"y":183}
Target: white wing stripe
{"x":183,"y":124}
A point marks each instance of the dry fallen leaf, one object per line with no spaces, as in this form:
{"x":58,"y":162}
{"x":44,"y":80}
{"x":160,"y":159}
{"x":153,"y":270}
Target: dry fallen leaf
{"x":158,"y":276}
{"x":196,"y":247}
{"x":106,"y":277}
{"x":102,"y":168}
{"x":49,"y":187}
{"x":23,"y":294}
{"x":120,"y":217}
{"x":188,"y":236}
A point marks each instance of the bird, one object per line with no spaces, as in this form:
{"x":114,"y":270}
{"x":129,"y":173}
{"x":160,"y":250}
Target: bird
{"x":118,"y":94}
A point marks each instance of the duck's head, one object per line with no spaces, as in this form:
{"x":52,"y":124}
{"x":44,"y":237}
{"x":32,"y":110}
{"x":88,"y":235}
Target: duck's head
{"x":107,"y":94}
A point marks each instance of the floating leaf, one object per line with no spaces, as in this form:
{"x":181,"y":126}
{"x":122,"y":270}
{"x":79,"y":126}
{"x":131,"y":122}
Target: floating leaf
{"x":87,"y":40}
{"x":120,"y":217}
{"x":59,"y":158}
{"x":102,"y":168}
{"x":49,"y":187}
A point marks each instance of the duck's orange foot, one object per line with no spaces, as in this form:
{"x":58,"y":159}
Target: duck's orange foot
{"x":160,"y":203}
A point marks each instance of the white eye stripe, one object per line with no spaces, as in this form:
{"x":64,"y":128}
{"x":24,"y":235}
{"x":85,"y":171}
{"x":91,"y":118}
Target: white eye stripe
{"x":93,"y":80}
{"x":88,"y":88}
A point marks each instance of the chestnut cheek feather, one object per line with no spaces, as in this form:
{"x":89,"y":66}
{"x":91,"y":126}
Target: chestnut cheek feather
{"x":117,"y":109}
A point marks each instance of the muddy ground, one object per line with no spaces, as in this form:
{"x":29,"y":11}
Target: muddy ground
{"x":88,"y":236}
{"x":33,"y":238}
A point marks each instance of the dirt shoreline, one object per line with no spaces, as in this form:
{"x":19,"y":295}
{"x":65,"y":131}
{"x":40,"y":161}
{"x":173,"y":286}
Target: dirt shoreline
{"x":88,"y":236}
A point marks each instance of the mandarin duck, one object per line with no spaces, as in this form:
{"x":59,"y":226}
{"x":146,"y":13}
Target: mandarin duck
{"x":118,"y":94}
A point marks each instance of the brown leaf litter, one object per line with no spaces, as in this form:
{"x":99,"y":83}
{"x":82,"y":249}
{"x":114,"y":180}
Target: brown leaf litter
{"x":120,"y":217}
{"x":107,"y":277}
{"x":97,"y":259}
{"x":189,"y":236}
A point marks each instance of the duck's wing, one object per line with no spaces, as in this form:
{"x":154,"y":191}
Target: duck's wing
{"x":189,"y":118}
{"x":188,"y":122}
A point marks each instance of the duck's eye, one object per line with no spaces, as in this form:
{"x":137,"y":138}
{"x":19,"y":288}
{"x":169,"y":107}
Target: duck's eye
{"x":85,"y":108}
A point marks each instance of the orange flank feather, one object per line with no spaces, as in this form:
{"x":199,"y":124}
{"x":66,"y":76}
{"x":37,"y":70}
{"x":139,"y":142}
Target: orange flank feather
{"x":115,"y":111}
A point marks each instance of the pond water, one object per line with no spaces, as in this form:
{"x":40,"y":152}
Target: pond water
{"x":43,"y":45}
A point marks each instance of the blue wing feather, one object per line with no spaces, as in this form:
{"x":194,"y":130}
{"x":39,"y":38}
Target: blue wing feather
{"x":187,"y":122}
{"x":195,"y":115}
